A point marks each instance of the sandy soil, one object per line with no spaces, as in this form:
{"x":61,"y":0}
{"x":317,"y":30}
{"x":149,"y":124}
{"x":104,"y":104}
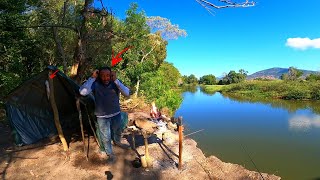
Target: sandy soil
{"x":47,"y":160}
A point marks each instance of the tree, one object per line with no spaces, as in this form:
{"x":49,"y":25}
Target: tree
{"x":313,"y":77}
{"x":243,"y":72}
{"x":159,"y":86}
{"x":22,"y":51}
{"x":294,"y":73}
{"x":78,"y":32}
{"x":192,"y":79}
{"x":149,"y":49}
{"x":284,"y":76}
{"x":165,"y":28}
{"x":208,"y":79}
{"x":234,"y":77}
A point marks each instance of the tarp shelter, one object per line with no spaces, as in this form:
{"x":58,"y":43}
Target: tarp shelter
{"x":30,"y":113}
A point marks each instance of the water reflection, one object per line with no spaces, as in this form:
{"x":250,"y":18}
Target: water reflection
{"x":282,"y":134}
{"x":189,"y":88}
{"x":290,"y":105}
{"x":304,"y":123}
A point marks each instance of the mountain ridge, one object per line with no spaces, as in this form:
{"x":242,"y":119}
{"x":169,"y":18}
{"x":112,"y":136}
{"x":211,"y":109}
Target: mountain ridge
{"x":276,"y":72}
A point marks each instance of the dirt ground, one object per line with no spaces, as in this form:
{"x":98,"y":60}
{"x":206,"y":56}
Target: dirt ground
{"x":47,"y":160}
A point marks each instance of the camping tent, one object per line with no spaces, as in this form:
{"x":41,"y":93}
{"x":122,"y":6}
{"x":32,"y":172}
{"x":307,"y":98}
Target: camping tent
{"x":30,"y":113}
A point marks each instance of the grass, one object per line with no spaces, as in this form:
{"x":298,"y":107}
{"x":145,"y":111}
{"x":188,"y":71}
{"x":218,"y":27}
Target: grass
{"x":277,"y":89}
{"x":213,"y":88}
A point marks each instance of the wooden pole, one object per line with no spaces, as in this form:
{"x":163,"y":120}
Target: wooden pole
{"x":146,"y":147}
{"x":145,"y":137}
{"x":94,"y":133}
{"x":180,"y":129}
{"x":81,"y":126}
{"x":133,"y":140}
{"x":56,"y":113}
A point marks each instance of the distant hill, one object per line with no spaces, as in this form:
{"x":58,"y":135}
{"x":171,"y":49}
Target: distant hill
{"x":275,"y":73}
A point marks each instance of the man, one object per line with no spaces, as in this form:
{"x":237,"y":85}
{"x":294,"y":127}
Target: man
{"x":106,"y":89}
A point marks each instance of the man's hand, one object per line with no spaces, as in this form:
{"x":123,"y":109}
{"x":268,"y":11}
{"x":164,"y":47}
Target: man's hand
{"x":95,"y":73}
{"x":113,"y":75}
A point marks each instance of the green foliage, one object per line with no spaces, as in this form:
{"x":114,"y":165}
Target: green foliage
{"x":148,"y":50}
{"x":315,"y":91}
{"x":292,"y":75}
{"x":191,"y":79}
{"x":208,"y":79}
{"x":295,"y":93}
{"x":284,"y":76}
{"x":233,"y":77}
{"x":211,"y":89}
{"x":21,"y":50}
{"x":277,"y":89}
{"x":27,"y":49}
{"x":160,"y":86}
{"x":313,"y":77}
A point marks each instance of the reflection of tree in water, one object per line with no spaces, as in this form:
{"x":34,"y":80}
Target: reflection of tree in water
{"x":290,"y":105}
{"x":189,"y":88}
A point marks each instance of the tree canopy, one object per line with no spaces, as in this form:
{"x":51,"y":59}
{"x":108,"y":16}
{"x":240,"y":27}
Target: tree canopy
{"x":77,"y":37}
{"x":234,"y":77}
{"x":208,"y":79}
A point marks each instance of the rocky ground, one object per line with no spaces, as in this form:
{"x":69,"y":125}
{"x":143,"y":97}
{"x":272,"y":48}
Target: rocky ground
{"x":47,"y":160}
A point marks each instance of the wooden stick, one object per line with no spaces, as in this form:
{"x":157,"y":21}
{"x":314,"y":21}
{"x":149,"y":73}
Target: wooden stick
{"x":56,"y":113}
{"x":94,"y":133}
{"x":81,"y":126}
{"x":133,"y":140}
{"x":180,"y":129}
{"x":146,"y":146}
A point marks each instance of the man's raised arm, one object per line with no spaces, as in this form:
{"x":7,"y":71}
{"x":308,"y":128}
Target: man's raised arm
{"x":86,"y":88}
{"x":123,"y":89}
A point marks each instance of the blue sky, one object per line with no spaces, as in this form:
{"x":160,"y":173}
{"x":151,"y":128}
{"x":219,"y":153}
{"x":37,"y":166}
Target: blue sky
{"x":253,"y":39}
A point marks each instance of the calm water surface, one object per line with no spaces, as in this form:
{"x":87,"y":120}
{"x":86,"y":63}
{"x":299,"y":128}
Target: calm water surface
{"x":282,"y":137}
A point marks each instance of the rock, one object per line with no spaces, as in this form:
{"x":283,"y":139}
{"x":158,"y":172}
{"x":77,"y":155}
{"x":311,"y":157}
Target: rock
{"x":148,"y":126}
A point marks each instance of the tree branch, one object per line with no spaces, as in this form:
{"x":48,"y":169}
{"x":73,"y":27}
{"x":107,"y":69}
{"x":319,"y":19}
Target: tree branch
{"x":103,"y":8}
{"x":65,"y":7}
{"x":148,"y":53}
{"x":228,"y":4}
{"x":51,"y":26}
{"x":60,"y":49}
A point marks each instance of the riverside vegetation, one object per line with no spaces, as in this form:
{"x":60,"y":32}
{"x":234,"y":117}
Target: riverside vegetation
{"x":290,"y":86}
{"x":274,"y":89}
{"x":36,"y":34}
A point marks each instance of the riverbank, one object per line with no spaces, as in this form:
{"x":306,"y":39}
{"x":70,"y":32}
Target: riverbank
{"x":47,"y":160}
{"x":274,"y":89}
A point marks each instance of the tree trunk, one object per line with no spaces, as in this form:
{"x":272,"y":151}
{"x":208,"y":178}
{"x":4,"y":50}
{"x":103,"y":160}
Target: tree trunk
{"x":80,"y":61}
{"x":80,"y":53}
{"x":138,"y":82}
{"x":137,"y":88}
{"x":56,"y":114}
{"x":60,"y":49}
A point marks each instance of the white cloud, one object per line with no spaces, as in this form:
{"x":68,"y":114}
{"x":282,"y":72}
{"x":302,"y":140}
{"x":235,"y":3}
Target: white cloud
{"x":303,"y":43}
{"x":304,"y":123}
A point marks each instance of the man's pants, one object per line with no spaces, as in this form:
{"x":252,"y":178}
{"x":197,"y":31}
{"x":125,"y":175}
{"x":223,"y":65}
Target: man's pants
{"x":109,"y":129}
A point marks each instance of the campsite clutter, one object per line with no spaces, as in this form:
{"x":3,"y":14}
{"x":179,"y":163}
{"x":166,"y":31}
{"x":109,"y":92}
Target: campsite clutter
{"x":37,"y":108}
{"x":163,"y":129}
{"x":49,"y":104}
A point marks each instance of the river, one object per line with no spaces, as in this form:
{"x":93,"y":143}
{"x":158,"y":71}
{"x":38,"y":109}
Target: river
{"x":278,"y":136}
